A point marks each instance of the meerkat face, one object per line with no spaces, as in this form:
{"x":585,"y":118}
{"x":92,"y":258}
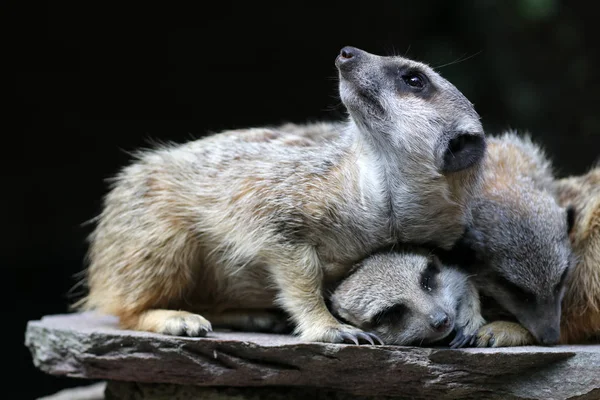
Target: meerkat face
{"x":407,"y":105}
{"x":404,"y":297}
{"x":524,"y":263}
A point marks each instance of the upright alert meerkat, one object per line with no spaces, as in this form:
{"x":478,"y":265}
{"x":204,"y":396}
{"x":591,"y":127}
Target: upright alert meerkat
{"x":229,"y":223}
{"x":408,"y":297}
{"x":521,"y":255}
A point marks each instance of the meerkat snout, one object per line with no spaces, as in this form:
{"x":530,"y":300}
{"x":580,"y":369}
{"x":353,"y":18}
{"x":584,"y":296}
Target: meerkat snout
{"x":440,"y":321}
{"x":348,"y":57}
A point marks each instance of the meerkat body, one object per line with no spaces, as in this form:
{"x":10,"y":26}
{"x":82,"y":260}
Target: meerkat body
{"x":581,"y":304}
{"x":248,"y":220}
{"x":519,"y":238}
{"x":407,"y":297}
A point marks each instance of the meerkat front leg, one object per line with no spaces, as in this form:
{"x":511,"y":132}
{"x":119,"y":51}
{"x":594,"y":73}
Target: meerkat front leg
{"x":300,"y":282}
{"x":468,"y":318}
{"x":504,"y":334}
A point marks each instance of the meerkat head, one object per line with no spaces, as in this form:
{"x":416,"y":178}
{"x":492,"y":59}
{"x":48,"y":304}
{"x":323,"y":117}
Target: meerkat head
{"x":523,"y":260}
{"x":405,"y":297}
{"x":425,"y":131}
{"x":406,"y":104}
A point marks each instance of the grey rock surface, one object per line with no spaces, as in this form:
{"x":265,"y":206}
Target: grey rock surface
{"x":90,"y":346}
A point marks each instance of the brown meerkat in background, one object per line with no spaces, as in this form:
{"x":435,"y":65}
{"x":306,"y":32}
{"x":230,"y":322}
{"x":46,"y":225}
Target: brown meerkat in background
{"x":408,"y":297}
{"x":581,"y":304}
{"x":518,"y":242}
{"x":220,"y":224}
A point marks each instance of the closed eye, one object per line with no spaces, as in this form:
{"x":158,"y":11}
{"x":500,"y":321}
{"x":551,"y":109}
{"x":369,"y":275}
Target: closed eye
{"x":428,"y":277}
{"x":523,"y":295}
{"x":391,"y":314}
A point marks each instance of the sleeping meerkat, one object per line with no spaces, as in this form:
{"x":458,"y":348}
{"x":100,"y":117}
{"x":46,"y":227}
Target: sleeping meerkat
{"x":408,"y":297}
{"x":518,"y":243}
{"x":224,"y":224}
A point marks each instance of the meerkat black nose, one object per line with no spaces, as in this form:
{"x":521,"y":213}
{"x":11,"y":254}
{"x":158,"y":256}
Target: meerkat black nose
{"x":440,"y":321}
{"x":550,"y":337}
{"x":348,"y":52}
{"x":348,"y":56}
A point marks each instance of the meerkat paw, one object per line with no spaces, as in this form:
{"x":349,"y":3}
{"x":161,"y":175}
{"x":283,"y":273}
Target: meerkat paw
{"x":341,"y":334}
{"x":171,"y":322}
{"x":466,"y":334}
{"x":503,"y":334}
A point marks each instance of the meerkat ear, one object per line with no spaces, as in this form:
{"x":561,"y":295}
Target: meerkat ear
{"x":570,"y":217}
{"x":464,"y":150}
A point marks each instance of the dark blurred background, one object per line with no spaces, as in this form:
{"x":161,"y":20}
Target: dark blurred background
{"x":93,"y":81}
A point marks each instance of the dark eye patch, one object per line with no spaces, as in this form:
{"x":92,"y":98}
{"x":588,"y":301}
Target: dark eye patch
{"x":391,"y":314}
{"x":408,"y":79}
{"x":428,"y":277}
{"x":523,"y":295}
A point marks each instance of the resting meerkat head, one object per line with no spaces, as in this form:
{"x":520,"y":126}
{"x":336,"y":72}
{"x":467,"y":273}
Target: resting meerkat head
{"x":524,"y":260}
{"x":426,"y":131}
{"x":407,"y":298}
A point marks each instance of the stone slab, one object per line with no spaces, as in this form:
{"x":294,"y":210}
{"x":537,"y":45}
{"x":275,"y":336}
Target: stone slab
{"x":92,"y":347}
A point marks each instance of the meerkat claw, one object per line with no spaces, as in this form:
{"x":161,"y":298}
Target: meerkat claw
{"x":366,"y":337}
{"x":461,"y":340}
{"x":369,"y":337}
{"x":376,"y":338}
{"x":348,"y":336}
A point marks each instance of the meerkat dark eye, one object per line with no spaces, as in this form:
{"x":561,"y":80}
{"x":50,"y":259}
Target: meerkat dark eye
{"x":428,"y":277}
{"x":415,"y":80}
{"x":389,"y":315}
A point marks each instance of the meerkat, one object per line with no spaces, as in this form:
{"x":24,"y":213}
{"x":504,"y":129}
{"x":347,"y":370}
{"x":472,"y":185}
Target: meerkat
{"x":518,"y":246}
{"x":408,"y":297}
{"x":581,"y":305}
{"x":192,"y":232}
{"x":580,"y":316}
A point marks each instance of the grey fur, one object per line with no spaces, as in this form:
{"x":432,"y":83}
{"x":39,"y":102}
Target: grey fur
{"x":520,"y":236}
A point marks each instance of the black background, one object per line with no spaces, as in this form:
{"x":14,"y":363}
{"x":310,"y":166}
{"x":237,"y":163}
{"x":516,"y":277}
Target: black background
{"x":89,"y":82}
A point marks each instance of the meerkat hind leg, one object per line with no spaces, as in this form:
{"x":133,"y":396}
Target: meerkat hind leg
{"x":169,"y":322}
{"x":300,"y":284}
